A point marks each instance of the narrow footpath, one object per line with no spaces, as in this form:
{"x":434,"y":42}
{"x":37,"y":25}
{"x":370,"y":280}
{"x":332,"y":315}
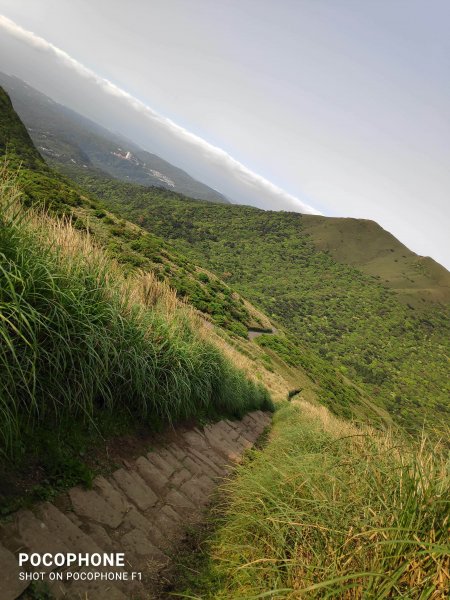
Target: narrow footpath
{"x":142,"y":510}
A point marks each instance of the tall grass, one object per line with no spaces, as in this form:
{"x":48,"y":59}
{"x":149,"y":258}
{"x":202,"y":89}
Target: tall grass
{"x":77,"y":337}
{"x":328,"y":510}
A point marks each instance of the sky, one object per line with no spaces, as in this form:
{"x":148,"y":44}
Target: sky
{"x":340,"y":107}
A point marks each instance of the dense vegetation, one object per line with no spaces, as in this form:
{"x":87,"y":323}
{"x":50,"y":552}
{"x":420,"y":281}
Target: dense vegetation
{"x":344,"y":320}
{"x":79,"y":339}
{"x":326,"y":510}
{"x":348,"y":318}
{"x":333,"y":391}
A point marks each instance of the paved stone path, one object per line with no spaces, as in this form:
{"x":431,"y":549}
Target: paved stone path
{"x":142,"y":510}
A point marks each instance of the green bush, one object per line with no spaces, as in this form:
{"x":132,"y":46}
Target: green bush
{"x":203,"y":277}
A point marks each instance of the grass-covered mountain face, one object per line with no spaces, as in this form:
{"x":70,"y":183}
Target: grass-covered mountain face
{"x":64,"y":138}
{"x":352,"y":320}
{"x":417,"y":280}
{"x":15,"y":140}
{"x":38,"y":183}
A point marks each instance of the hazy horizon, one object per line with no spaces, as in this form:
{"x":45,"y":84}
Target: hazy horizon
{"x":307,"y":106}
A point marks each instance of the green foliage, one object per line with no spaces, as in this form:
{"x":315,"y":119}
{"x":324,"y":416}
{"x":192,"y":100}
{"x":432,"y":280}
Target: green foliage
{"x":398,"y":355}
{"x":74,"y":348}
{"x":329,"y":511}
{"x":38,"y":183}
{"x":14,"y":138}
{"x":333,"y":391}
{"x":49,"y":192}
{"x":203,"y":277}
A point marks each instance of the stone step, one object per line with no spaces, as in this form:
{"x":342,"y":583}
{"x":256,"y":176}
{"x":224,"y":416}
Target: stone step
{"x":142,"y":509}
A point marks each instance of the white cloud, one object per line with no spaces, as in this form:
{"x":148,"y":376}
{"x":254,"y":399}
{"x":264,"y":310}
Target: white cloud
{"x":270,"y":194}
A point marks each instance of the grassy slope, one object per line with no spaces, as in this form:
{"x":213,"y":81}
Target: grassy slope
{"x":364,"y":244}
{"x":79,"y":337}
{"x":347,"y":318}
{"x":72,"y":350}
{"x":15,"y":140}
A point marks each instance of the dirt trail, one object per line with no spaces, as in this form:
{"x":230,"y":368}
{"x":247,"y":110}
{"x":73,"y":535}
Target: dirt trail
{"x":142,"y":510}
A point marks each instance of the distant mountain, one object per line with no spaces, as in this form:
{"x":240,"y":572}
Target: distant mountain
{"x":65,"y":138}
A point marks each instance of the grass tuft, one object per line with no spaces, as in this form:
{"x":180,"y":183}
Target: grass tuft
{"x":328,"y":510}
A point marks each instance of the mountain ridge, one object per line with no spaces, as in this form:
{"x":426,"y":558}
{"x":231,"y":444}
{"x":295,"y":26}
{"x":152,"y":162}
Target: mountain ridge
{"x":417,"y":279}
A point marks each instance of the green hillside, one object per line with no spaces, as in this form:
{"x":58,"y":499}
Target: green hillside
{"x":137,"y":249}
{"x":93,"y":342}
{"x":289,"y":366}
{"x":352,"y":320}
{"x":343,"y":337}
{"x":14,"y":138}
{"x":55,"y":285}
{"x":365,"y":245}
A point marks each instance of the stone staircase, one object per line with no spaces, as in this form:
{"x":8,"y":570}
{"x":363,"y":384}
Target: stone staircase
{"x":141,"y":510}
